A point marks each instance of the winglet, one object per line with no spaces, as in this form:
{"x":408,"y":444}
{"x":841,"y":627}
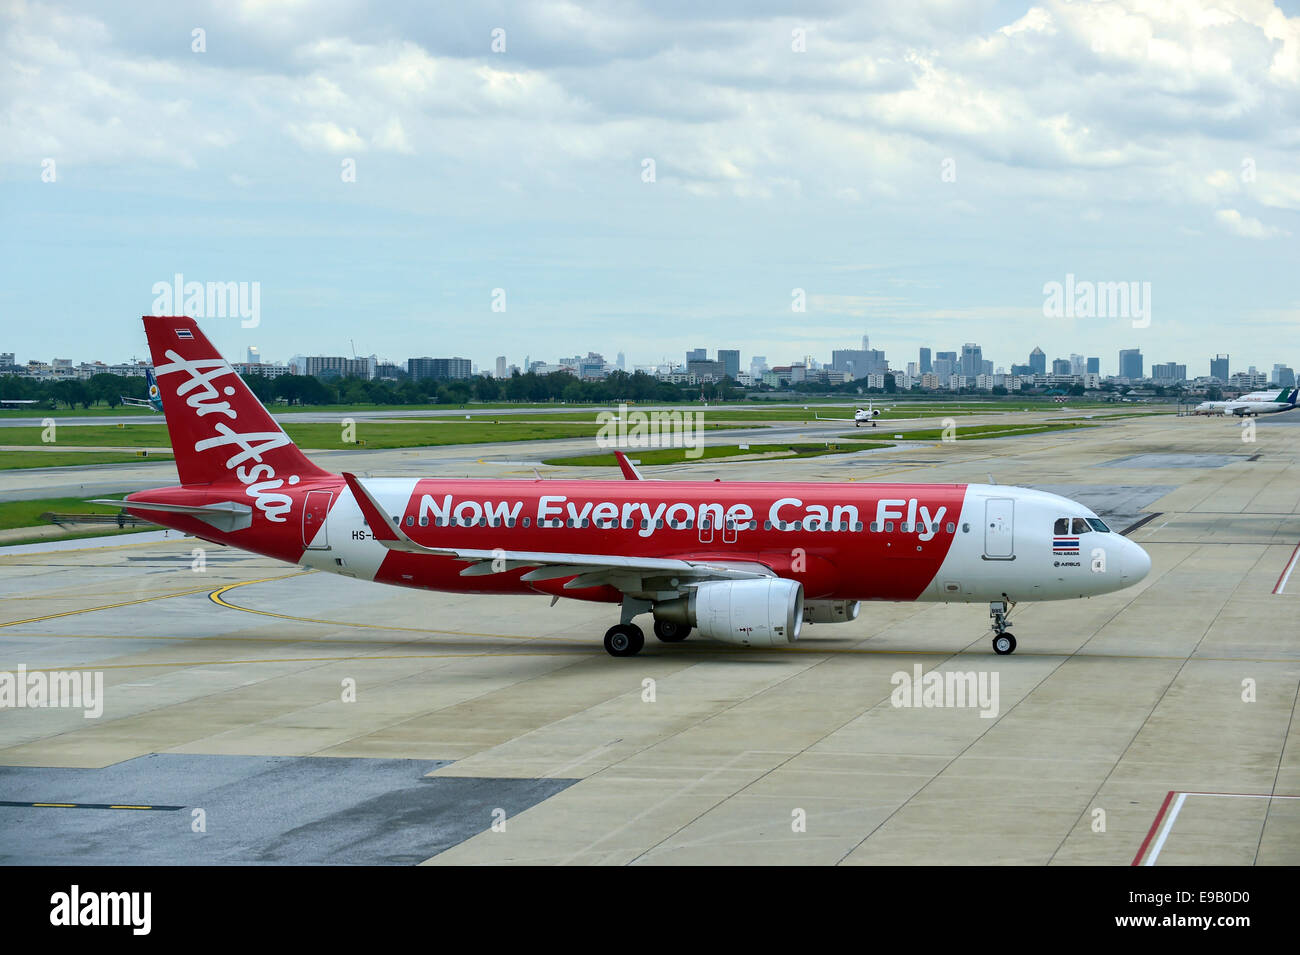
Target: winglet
{"x":627,"y":467}
{"x":381,"y":525}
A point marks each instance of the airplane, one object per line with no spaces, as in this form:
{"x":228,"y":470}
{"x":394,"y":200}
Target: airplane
{"x":859,"y":416}
{"x":1255,"y":403}
{"x":743,"y":563}
{"x":154,"y":400}
{"x":15,"y":402}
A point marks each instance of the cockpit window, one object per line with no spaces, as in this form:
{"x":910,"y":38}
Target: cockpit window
{"x":1098,"y":525}
{"x":1062,"y":526}
{"x":1078,"y":526}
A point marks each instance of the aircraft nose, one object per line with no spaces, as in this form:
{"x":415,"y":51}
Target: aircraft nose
{"x":1137,"y":562}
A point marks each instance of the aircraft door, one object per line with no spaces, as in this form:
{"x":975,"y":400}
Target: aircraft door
{"x":315,"y":532}
{"x":999,"y":529}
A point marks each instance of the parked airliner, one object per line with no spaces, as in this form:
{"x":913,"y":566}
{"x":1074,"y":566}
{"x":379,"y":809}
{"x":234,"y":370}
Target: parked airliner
{"x":1255,"y":403}
{"x":742,"y":563}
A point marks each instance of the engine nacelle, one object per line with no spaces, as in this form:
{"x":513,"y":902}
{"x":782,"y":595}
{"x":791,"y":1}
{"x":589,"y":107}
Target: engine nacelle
{"x":830,"y":611}
{"x":767,"y":612}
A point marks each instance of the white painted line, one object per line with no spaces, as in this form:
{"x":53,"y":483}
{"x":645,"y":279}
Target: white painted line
{"x":1164,"y":830}
{"x":1286,"y":574}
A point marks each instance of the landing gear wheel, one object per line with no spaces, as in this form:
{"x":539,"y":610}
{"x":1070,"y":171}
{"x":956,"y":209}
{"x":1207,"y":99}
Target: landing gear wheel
{"x":1004,"y":643}
{"x":670,"y":632}
{"x":624,"y":640}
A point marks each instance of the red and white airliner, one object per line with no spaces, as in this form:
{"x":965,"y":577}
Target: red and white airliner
{"x":743,"y":563}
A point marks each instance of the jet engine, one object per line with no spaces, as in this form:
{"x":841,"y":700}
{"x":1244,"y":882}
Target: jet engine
{"x":767,"y":612}
{"x":830,"y":611}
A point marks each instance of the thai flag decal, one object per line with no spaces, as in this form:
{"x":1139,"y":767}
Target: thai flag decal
{"x":184,"y":333}
{"x":1065,"y":545}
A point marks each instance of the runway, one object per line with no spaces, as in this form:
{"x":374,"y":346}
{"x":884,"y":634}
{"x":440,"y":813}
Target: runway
{"x":315,"y":718}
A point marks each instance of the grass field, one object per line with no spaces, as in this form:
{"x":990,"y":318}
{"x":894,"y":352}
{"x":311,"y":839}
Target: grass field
{"x":28,"y":513}
{"x":712,"y":453}
{"x":16,"y":460}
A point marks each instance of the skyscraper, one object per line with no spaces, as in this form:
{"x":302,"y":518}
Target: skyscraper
{"x":1130,"y":363}
{"x":501,"y":366}
{"x":925,"y":361}
{"x":972,"y":360}
{"x":1094,"y":366}
{"x":1038,"y":361}
{"x":729,"y":358}
{"x":1219,"y":367}
{"x":697,"y":354}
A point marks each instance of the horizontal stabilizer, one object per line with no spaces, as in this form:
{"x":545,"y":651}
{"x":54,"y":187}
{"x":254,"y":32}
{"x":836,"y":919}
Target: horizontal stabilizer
{"x":224,"y":515}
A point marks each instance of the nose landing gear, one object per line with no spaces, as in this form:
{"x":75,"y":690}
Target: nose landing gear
{"x":1004,"y":641}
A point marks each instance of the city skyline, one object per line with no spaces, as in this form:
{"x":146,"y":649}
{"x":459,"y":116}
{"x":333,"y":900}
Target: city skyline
{"x":365,"y":174}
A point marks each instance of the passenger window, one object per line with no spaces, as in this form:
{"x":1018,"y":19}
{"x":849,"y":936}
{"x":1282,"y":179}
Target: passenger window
{"x":889,"y":527}
{"x":1062,"y":526}
{"x":952,"y":528}
{"x":875,"y":527}
{"x":1079,"y":526}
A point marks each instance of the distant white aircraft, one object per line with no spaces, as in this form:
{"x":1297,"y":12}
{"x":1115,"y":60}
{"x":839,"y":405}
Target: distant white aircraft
{"x":860,"y":415}
{"x":14,"y":402}
{"x":1255,"y":403}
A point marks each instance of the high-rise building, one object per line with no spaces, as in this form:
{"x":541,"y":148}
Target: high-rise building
{"x":620,"y":362}
{"x":501,"y":366}
{"x":697,"y":354}
{"x":439,"y":369}
{"x":1094,"y":366}
{"x":859,"y":362}
{"x":1169,"y":371}
{"x":1219,"y":367}
{"x":943,"y":367}
{"x":1130,"y":363}
{"x":972,"y":360}
{"x":1283,"y":376}
{"x":254,"y":355}
{"x":757,"y":365}
{"x":1038,"y":361}
{"x":729,"y":358}
{"x":924,"y":363}
{"x":1077,"y":364}
{"x":1061,"y":366}
{"x":337,"y":366}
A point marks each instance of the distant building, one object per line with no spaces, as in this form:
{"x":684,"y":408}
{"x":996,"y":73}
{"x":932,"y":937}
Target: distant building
{"x":1169,"y":371}
{"x":729,"y":358}
{"x":1219,"y":367}
{"x":439,"y":369}
{"x":260,"y":369}
{"x":706,"y":370}
{"x":924,"y":363}
{"x":1283,"y":376}
{"x":1094,"y":366}
{"x":501,"y":366}
{"x":1130,"y":364}
{"x":336,"y":366}
{"x":697,"y":354}
{"x":1038,"y":362}
{"x":859,"y":362}
{"x":1062,"y":366}
{"x":972,"y":360}
{"x":254,"y":355}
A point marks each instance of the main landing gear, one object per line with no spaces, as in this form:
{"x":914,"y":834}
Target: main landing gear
{"x":1004,"y":641}
{"x":624,"y":640}
{"x":627,"y":639}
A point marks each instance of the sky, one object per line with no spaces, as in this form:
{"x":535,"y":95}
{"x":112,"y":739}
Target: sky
{"x":549,"y":178}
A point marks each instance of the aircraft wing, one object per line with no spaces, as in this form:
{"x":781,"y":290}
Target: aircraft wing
{"x":820,"y":418}
{"x":587,"y":570}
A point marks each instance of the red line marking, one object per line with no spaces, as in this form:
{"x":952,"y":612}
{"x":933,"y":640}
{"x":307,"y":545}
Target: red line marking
{"x":1284,"y":568}
{"x":1164,"y":806}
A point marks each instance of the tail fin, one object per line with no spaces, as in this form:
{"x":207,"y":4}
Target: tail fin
{"x":220,"y":432}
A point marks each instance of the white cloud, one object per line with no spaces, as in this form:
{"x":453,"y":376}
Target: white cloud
{"x":1245,"y":226}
